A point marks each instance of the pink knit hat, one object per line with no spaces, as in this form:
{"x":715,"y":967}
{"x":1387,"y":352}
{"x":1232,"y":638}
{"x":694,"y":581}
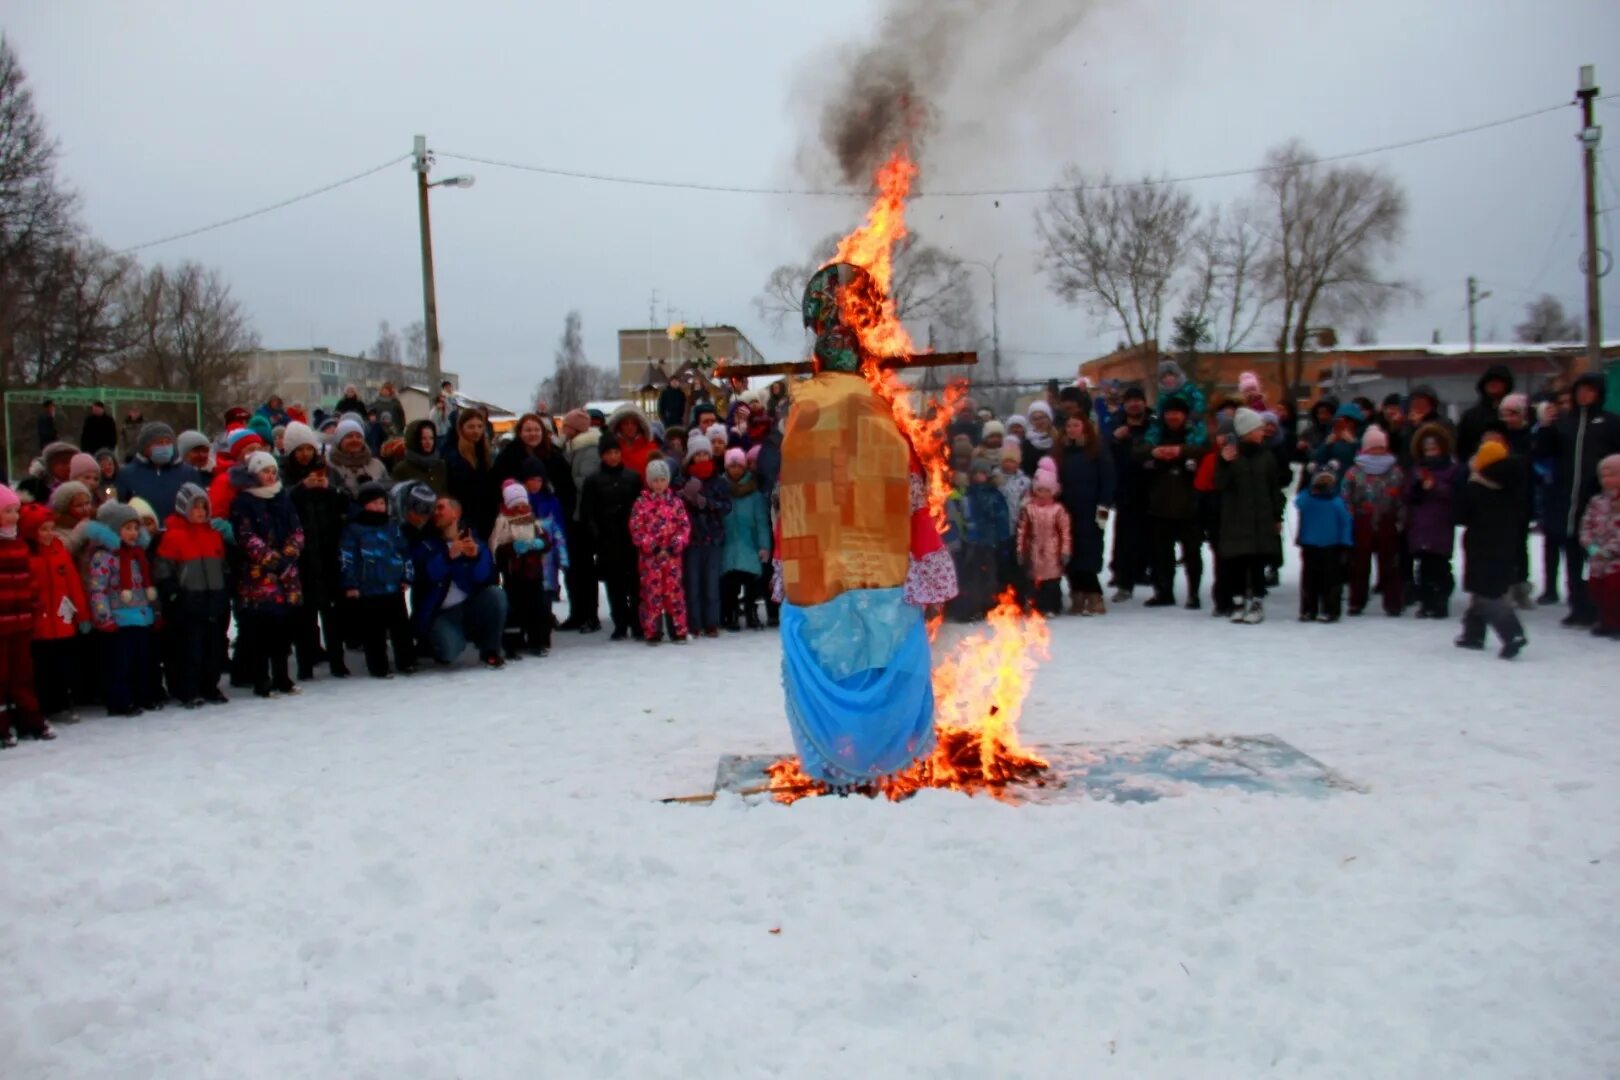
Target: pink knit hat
{"x":8,"y":498}
{"x":736,"y":456}
{"x":1248,"y":383}
{"x":1046,"y":477}
{"x":1374,"y":439}
{"x":512,"y":494}
{"x":83,"y":463}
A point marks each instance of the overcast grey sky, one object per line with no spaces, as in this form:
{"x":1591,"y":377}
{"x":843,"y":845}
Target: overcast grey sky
{"x":172,"y":115}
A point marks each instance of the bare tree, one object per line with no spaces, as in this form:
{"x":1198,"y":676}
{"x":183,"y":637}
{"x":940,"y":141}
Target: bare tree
{"x":1545,"y":321}
{"x":188,"y":334}
{"x":1331,"y":230}
{"x":573,"y":380}
{"x":36,"y":214}
{"x":1116,"y":250}
{"x":931,"y":289}
{"x":1227,"y":290}
{"x":414,"y":339}
{"x":75,"y":318}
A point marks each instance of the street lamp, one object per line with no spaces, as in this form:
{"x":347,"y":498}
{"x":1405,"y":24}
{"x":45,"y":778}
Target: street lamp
{"x":995,"y":315}
{"x":422,"y":162}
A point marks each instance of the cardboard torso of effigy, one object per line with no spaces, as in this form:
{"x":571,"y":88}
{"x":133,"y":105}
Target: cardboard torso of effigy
{"x":845,"y":492}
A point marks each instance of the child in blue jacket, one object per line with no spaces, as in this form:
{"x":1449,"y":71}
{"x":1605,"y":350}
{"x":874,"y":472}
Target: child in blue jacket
{"x":377,"y":573}
{"x":1325,"y":538}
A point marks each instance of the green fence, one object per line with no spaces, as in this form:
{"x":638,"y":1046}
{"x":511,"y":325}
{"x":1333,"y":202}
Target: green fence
{"x":181,"y":410}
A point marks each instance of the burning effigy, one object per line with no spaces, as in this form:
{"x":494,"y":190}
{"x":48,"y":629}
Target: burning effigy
{"x":863,"y":488}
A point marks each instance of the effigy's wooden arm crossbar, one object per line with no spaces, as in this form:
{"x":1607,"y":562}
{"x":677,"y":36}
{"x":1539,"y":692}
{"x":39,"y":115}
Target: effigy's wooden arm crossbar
{"x":805,"y":367}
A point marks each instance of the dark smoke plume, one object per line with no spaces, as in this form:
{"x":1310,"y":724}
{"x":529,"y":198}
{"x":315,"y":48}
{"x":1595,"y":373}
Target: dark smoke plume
{"x":936,"y":76}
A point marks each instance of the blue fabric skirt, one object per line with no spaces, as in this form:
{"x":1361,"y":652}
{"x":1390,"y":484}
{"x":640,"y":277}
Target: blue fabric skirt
{"x":860,"y":700}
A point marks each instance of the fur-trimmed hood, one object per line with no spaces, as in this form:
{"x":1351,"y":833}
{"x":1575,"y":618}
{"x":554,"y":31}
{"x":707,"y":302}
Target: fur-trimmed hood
{"x":631,"y":412}
{"x":584,"y":440}
{"x":1448,"y":445}
{"x":101,"y":536}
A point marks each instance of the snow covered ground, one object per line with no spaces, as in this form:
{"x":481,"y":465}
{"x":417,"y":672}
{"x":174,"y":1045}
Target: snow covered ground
{"x":467,"y":874}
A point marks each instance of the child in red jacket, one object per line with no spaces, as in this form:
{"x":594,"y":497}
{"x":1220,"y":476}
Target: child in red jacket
{"x":189,"y":569}
{"x":17,"y":630}
{"x":60,"y":613}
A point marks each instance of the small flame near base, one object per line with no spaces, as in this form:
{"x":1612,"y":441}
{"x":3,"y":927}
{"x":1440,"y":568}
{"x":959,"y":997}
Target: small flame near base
{"x":979,"y":691}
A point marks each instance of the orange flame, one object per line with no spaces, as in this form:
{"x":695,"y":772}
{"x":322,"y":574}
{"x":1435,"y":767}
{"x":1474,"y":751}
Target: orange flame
{"x":882,"y":334}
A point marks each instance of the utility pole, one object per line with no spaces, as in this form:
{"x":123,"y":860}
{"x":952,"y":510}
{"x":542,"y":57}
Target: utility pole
{"x":1474,"y":297}
{"x":1591,"y":135}
{"x":430,"y":304}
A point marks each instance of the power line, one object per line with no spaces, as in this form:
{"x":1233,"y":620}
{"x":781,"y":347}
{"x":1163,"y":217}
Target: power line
{"x":574,"y":174}
{"x":267,"y":209}
{"x":846,"y":193}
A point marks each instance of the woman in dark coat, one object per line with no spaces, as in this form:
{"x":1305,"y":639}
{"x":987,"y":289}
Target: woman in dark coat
{"x":422,"y":462}
{"x":532,"y":439}
{"x":1251,"y":500}
{"x":470,"y":473}
{"x":1086,"y":473}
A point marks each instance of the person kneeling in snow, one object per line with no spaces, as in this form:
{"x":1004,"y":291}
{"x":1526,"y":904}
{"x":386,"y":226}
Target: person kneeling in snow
{"x":460,"y":603}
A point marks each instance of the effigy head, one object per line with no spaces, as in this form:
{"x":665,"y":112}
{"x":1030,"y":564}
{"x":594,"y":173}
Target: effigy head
{"x":832,"y":292}
{"x":838,"y":349}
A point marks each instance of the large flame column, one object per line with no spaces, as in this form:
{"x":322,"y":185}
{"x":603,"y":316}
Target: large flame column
{"x":860,"y":558}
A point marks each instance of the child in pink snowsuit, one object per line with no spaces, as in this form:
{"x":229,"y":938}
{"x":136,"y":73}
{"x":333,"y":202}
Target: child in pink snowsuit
{"x":660,"y":530}
{"x":1045,"y":539}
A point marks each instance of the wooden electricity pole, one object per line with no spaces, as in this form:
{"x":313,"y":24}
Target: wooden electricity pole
{"x":1591,"y":135}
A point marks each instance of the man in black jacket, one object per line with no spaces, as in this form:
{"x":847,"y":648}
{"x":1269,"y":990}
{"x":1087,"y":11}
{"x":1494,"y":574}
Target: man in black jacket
{"x":605,"y":504}
{"x":100,"y":430}
{"x":1131,"y":563}
{"x":1493,"y":386}
{"x":1575,"y":443}
{"x":1166,"y":480}
{"x":45,"y":427}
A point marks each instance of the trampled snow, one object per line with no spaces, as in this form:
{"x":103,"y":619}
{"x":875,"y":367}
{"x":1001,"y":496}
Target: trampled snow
{"x":468,"y":874}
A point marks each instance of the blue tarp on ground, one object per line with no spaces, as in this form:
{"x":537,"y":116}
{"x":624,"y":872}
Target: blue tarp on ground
{"x":1134,"y":772}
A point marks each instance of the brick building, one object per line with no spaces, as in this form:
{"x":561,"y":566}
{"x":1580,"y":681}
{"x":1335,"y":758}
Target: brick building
{"x":1371,"y":371}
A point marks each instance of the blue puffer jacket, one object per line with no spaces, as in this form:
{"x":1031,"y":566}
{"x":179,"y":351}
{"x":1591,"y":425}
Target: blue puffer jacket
{"x":376,"y":561}
{"x":1324,"y":520}
{"x":987,"y":522}
{"x":436,"y":571}
{"x":157,"y":484}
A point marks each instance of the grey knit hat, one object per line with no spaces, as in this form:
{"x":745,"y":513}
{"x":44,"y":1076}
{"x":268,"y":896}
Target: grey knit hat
{"x":115,"y":515}
{"x":151,"y":433}
{"x":189,"y":441}
{"x":188,"y":495}
{"x":64,"y":495}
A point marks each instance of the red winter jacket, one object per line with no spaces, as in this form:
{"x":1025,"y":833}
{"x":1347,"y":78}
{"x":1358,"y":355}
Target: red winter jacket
{"x":17,"y":589}
{"x":61,"y":604}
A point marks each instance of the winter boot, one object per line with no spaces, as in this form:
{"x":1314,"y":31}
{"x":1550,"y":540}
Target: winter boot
{"x":1240,"y":609}
{"x":1513,"y":647}
{"x":730,"y":624}
{"x":1255,"y":614}
{"x":1121,"y":595}
{"x":1095,"y":603}
{"x":1077,"y":604}
{"x":751,"y":617}
{"x":1159,"y":600}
